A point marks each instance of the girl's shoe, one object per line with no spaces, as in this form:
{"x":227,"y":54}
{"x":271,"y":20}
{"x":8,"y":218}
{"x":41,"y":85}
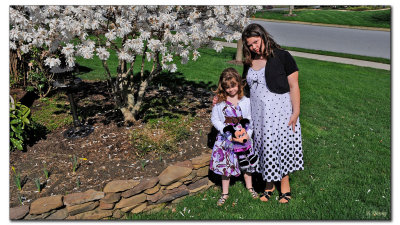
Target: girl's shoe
{"x":267,"y":195}
{"x":253,"y":193}
{"x":286,"y":196}
{"x":222,"y":199}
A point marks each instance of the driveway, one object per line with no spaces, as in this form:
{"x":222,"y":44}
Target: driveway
{"x":335,"y":39}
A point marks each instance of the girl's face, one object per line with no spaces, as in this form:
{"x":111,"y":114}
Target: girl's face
{"x":255,"y":45}
{"x":232,"y":89}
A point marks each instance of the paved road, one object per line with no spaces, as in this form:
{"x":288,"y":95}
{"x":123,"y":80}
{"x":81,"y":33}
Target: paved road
{"x":334,"y":39}
{"x":330,"y":58}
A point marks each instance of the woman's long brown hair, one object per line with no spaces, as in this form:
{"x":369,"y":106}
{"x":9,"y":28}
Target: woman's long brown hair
{"x":256,"y":30}
{"x":228,"y":78}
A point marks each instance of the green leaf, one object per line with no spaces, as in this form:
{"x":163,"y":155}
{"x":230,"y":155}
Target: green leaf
{"x":14,"y":128}
{"x":16,"y":143}
{"x":30,"y":88}
{"x":25,"y":120}
{"x":26,"y":111}
{"x":14,"y":122}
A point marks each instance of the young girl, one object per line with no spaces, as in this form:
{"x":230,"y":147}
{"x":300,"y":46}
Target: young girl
{"x":231,"y":107}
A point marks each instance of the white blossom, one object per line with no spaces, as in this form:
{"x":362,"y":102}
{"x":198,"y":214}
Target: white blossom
{"x":68,"y":50}
{"x":14,"y":34}
{"x":122,"y":55}
{"x":194,"y":15}
{"x":51,"y":62}
{"x":168,"y":58}
{"x":86,"y":52}
{"x":111,"y":35}
{"x":218,"y":46}
{"x":211,"y":22}
{"x":154,"y":45}
{"x":102,"y":53}
{"x":25,"y":49}
{"x":71,"y":61}
{"x":136,"y":45}
{"x":229,"y":38}
{"x":95,"y":24}
{"x":149,"y":56}
{"x":144,"y":35}
{"x":56,"y":29}
{"x":171,"y":67}
{"x":196,"y":55}
{"x":237,"y":35}
{"x":13,"y":46}
{"x":27,"y":37}
{"x":184,"y":53}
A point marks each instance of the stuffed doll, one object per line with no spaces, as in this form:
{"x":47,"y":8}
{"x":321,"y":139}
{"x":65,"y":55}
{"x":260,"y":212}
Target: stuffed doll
{"x":241,"y":143}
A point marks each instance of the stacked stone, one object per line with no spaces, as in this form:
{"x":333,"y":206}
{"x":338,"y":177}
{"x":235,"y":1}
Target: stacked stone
{"x":123,"y":196}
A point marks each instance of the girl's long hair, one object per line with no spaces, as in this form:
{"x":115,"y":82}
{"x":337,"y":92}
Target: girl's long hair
{"x":256,"y":30}
{"x":228,"y":78}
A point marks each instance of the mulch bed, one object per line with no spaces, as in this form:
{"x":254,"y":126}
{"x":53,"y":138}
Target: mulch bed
{"x":110,"y":154}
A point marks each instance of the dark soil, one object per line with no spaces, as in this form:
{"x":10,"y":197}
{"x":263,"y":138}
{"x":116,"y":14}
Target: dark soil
{"x":108,"y":151}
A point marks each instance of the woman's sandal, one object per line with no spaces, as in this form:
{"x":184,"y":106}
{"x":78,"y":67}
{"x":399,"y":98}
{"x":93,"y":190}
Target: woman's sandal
{"x":286,"y":196}
{"x":222,"y":199}
{"x":253,"y":193}
{"x":266,"y":195}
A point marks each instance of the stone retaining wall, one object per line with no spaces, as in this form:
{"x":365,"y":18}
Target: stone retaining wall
{"x":123,"y":196}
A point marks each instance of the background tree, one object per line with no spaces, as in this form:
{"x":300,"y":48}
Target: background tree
{"x":157,"y":35}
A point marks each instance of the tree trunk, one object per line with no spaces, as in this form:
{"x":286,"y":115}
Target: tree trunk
{"x":239,"y":51}
{"x":14,"y":66}
{"x":127,"y":110}
{"x":132,"y":105}
{"x":291,"y":7}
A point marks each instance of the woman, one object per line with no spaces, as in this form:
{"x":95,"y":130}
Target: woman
{"x":272,"y":75}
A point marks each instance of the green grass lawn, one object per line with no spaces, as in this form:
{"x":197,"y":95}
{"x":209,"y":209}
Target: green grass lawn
{"x":338,"y":54}
{"x":346,"y":128}
{"x":373,"y":18}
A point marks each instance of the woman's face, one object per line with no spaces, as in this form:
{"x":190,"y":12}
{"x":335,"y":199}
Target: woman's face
{"x":255,"y":45}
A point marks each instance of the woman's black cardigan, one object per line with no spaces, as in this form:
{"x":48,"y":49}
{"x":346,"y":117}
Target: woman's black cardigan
{"x":277,"y":68}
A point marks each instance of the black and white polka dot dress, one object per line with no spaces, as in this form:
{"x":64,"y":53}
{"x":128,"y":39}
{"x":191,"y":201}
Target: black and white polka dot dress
{"x":278,"y":147}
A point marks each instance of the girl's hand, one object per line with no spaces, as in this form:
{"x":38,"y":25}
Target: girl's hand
{"x":292,"y":121}
{"x":215,"y":100}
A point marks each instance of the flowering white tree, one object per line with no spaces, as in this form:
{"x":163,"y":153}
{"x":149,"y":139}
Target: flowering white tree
{"x":157,"y":33}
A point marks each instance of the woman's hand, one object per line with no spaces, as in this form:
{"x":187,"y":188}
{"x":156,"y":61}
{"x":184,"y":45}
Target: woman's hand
{"x":293,"y":121}
{"x":215,"y":100}
{"x":293,"y":80}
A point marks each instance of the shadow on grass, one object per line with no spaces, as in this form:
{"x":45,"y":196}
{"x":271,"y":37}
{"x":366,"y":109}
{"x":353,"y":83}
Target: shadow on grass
{"x":383,"y":17}
{"x":36,"y":133}
{"x":29,"y":98}
{"x":258,"y":182}
{"x":82,"y":70}
{"x":168,"y":95}
{"x":171,"y":95}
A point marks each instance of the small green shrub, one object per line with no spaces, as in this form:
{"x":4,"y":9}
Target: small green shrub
{"x":46,"y":172}
{"x":148,"y":140}
{"x":17,"y":178}
{"x":38,"y":83}
{"x":19,"y":125}
{"x":38,"y":184}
